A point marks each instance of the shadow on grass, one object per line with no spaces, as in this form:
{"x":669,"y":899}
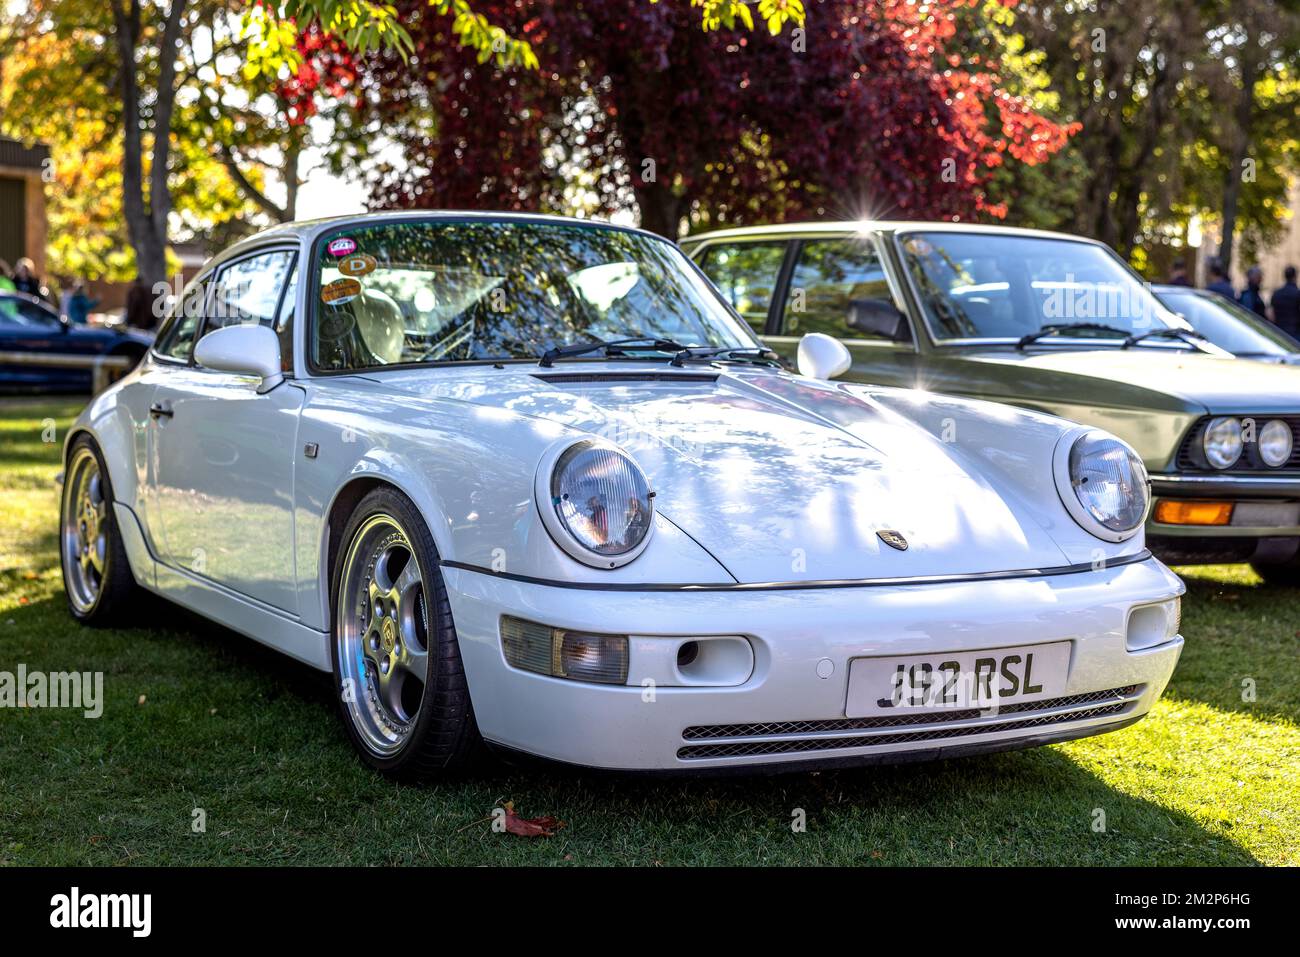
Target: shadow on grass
{"x":1242,"y":650}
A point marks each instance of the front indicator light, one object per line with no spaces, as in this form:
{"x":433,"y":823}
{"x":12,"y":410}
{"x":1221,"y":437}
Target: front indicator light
{"x":1170,"y":512}
{"x":562,"y":653}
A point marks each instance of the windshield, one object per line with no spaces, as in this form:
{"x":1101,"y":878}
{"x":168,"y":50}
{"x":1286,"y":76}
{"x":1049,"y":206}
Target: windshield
{"x":412,"y":292}
{"x":1229,"y":325}
{"x":988,"y":286}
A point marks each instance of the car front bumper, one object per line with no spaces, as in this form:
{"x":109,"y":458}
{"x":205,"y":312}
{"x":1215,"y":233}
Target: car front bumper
{"x":792,"y":707}
{"x":1264,"y":527}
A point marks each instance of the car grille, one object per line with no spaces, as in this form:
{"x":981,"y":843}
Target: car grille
{"x":1186,"y":461}
{"x":789,"y":737}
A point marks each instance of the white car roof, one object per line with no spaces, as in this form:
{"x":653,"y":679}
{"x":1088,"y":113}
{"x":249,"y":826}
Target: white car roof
{"x":850,"y":226}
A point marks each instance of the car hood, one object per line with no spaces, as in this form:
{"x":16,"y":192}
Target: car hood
{"x":781,"y":478}
{"x":1219,"y":385}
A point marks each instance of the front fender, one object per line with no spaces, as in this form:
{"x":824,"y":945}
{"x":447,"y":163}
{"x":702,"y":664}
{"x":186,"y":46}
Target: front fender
{"x":470,"y":471}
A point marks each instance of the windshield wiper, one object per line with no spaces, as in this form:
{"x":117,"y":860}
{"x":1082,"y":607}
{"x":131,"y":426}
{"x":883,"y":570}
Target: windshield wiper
{"x":611,"y":347}
{"x":756,"y":356}
{"x":1059,"y":328}
{"x":1190,"y":336}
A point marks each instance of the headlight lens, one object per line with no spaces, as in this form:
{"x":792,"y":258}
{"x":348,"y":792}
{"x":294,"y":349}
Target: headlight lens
{"x":1109,"y":480}
{"x":1222,"y":442}
{"x":1275,"y":443}
{"x":602,"y":499}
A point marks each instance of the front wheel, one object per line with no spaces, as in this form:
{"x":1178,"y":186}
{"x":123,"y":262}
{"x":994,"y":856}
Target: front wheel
{"x":397,"y":667}
{"x":96,"y":576}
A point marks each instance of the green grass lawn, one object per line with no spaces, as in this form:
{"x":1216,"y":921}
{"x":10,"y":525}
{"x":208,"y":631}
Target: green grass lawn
{"x":198,"y":717}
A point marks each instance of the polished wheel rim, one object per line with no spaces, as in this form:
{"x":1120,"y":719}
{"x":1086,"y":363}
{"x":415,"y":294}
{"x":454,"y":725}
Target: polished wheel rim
{"x":383,"y":634}
{"x":85,"y":531}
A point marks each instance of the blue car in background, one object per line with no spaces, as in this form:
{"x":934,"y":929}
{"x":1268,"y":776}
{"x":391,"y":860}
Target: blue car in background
{"x":30,"y":326}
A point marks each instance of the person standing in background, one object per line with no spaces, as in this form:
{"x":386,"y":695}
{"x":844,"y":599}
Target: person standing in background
{"x":1179,"y":275}
{"x":1219,"y":281}
{"x":1251,"y":297}
{"x":26,"y":280}
{"x":139,"y":306}
{"x":1286,"y":303}
{"x":80,"y":304}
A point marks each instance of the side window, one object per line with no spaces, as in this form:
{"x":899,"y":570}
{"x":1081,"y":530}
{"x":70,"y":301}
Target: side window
{"x":176,"y":340}
{"x":248,"y":292}
{"x":746,"y":274}
{"x":839,"y":287}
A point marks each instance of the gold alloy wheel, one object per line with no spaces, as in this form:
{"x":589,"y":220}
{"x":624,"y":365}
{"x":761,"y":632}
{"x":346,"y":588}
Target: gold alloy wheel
{"x":85,"y":530}
{"x":383,"y":634}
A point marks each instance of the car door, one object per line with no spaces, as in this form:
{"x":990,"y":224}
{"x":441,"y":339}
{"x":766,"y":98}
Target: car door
{"x":840,"y":286}
{"x":32,"y":329}
{"x":222,"y":454}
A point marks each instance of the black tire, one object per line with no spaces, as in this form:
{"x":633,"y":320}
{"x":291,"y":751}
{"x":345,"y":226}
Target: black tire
{"x":444,"y":736}
{"x":1286,"y":574}
{"x":117,"y":592}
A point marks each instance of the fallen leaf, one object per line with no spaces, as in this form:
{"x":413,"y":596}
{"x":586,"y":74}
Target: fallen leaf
{"x":141,"y":701}
{"x":545,"y":826}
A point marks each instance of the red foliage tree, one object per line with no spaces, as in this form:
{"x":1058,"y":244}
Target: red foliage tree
{"x":871,"y":110}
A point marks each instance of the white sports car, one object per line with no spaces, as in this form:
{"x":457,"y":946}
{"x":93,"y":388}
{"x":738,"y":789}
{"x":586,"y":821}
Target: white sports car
{"x":529,"y":481}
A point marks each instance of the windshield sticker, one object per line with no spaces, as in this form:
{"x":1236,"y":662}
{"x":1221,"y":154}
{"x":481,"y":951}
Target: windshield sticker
{"x":340,"y":291}
{"x":358,"y":265}
{"x":342,"y":247}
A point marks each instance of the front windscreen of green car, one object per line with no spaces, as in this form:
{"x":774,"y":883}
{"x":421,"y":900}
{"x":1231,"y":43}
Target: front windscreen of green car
{"x":429,"y":291}
{"x":983,"y":285}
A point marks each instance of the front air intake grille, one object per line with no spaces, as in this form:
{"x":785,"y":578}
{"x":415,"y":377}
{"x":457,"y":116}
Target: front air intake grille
{"x":791,"y":738}
{"x":1186,"y":459}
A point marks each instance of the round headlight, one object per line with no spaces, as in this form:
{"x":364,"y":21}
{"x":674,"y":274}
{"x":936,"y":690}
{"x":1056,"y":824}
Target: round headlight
{"x":1275,"y":441}
{"x":599,"y":507}
{"x":1222,"y":442}
{"x":1108,"y":484}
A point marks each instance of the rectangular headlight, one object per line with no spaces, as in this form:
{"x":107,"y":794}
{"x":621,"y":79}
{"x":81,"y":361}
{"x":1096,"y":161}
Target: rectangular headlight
{"x":563,"y":653}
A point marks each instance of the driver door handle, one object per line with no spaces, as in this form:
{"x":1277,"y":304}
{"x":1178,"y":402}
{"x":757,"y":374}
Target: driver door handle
{"x":158,"y":410}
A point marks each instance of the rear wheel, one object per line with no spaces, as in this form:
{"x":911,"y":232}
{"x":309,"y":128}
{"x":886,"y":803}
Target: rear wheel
{"x":96,"y":576}
{"x":397,"y":668}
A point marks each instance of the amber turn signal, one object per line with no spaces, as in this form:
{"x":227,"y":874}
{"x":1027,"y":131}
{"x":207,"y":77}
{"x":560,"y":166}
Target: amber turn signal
{"x":1193,"y":513}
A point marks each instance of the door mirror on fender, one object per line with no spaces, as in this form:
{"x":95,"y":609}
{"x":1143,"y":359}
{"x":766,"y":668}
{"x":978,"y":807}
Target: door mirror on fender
{"x":877,"y":318}
{"x":243,"y":350}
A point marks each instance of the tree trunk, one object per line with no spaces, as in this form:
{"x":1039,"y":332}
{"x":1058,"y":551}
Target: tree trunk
{"x":661,"y":209}
{"x":1244,"y":118}
{"x":146,"y":216}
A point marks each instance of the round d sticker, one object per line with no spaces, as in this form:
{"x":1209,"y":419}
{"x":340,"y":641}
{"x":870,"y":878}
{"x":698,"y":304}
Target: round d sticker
{"x":358,"y":264}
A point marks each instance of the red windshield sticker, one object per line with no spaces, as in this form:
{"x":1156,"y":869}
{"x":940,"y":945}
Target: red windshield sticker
{"x":342,"y":247}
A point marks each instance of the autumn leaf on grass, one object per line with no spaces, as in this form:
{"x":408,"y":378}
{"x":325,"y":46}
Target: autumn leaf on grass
{"x":530,"y":826}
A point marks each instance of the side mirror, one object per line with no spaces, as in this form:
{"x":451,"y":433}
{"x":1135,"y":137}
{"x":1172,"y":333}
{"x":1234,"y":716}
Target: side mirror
{"x":822,"y":357}
{"x":244,"y":350}
{"x":878,"y":318}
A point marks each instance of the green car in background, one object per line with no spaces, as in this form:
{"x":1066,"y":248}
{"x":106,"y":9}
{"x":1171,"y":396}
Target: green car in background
{"x":1048,"y":322}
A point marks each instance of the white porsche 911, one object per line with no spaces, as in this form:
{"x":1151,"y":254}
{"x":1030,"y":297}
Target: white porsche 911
{"x":529,"y":481}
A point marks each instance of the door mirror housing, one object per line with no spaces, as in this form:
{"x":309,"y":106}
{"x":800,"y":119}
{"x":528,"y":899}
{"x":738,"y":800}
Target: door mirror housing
{"x":822,"y":356}
{"x":878,"y":318}
{"x":243,"y":350}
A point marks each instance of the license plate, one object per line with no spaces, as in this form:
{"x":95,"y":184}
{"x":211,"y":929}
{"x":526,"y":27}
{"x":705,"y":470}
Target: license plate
{"x":957,"y":681}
